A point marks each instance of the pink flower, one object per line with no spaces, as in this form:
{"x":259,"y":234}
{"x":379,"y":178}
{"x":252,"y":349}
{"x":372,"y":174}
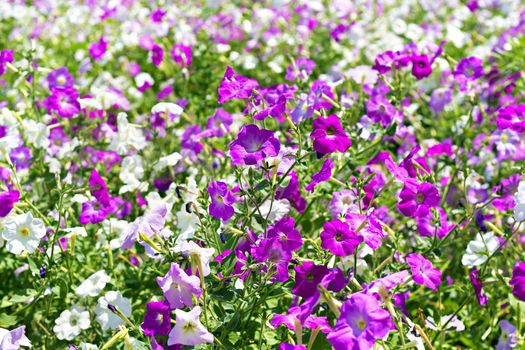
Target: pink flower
{"x":323,"y":175}
{"x":329,"y":136}
{"x":338,"y":239}
{"x":235,"y":86}
{"x":422,"y":271}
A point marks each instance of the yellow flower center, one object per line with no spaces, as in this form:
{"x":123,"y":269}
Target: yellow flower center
{"x":24,"y":231}
{"x":61,"y":80}
{"x":189,"y":327}
{"x":361,"y":324}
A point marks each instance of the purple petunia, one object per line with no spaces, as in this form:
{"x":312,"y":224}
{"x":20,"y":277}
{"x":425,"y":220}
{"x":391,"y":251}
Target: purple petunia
{"x":512,"y":117}
{"x":181,"y":54}
{"x":253,"y":145}
{"x":418,"y":198}
{"x":64,"y":102}
{"x":518,"y":281}
{"x":422,"y":271}
{"x":478,"y":287}
{"x":157,"y":319}
{"x":98,"y":49}
{"x":7,"y":201}
{"x":307,"y":277}
{"x":60,"y":79}
{"x":178,"y":287}
{"x":339,"y":239}
{"x":301,"y":70}
{"x":380,"y":110}
{"x":329,"y":136}
{"x":222,"y":200}
{"x":323,"y":175}
{"x":235,"y":86}
{"x":6,"y":56}
{"x":361,"y":322}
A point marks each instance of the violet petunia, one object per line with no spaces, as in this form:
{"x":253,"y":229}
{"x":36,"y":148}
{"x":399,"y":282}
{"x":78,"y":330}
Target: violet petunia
{"x":423,"y":272}
{"x":235,"y":86}
{"x":322,"y":175}
{"x":253,"y":145}
{"x":339,"y":239}
{"x":307,"y":277}
{"x":478,"y":287}
{"x":178,"y":287}
{"x":157,"y":319}
{"x":188,"y":329}
{"x":518,"y":281}
{"x":7,"y":201}
{"x":222,"y":200}
{"x":418,"y":198}
{"x":329,"y":136}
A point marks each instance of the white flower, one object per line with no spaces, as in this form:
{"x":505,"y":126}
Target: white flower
{"x":128,"y":136}
{"x":93,"y":285}
{"x":479,"y":249}
{"x":71,"y":322}
{"x":279,"y":209}
{"x":78,"y":231}
{"x":192,"y":249}
{"x":188,"y":329}
{"x":187,"y":223}
{"x":89,"y":103}
{"x":79,"y":198}
{"x":166,"y":107}
{"x":23,"y":232}
{"x":144,"y":78}
{"x":168,"y":161}
{"x":36,"y":133}
{"x":87,"y":346}
{"x":105,"y":317}
{"x":519,"y":198}
{"x":452,"y":322}
{"x":132,"y":171}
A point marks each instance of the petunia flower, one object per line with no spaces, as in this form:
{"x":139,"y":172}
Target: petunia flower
{"x":253,"y":145}
{"x":98,"y":49}
{"x":71,"y":322}
{"x":512,"y":117}
{"x":23,"y":232}
{"x":418,"y":198}
{"x":14,"y":339}
{"x":235,"y":86}
{"x":323,"y":175}
{"x":182,"y":55}
{"x":284,"y":230}
{"x":339,"y":239}
{"x":509,"y":336}
{"x":157,"y":319}
{"x":179,"y":288}
{"x":329,"y":136}
{"x":222,"y":200}
{"x":195,"y":253}
{"x":105,"y":315}
{"x":380,"y":110}
{"x":478,"y":287}
{"x":6,"y":56}
{"x":479,"y":249}
{"x":7,"y":201}
{"x":93,"y":285}
{"x":307,"y":277}
{"x":518,"y":281}
{"x":361,"y":322}
{"x":422,"y":271}
{"x":60,"y":79}
{"x":188,"y":329}
{"x":64,"y":102}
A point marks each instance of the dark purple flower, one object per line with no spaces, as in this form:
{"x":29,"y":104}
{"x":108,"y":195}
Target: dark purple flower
{"x":157,"y":55}
{"x":518,"y":281}
{"x":418,"y":198}
{"x":361,"y":322}
{"x":307,"y":277}
{"x":157,"y":319}
{"x":181,"y":54}
{"x":253,"y":145}
{"x":7,"y":201}
{"x":478,"y":287}
{"x":21,"y":157}
{"x":60,"y":79}
{"x":323,"y":175}
{"x":338,"y":239}
{"x":235,"y":86}
{"x":272,"y":251}
{"x":422,"y":271}
{"x":329,"y":136}
{"x":98,"y":49}
{"x":470,"y":68}
{"x":222,"y":200}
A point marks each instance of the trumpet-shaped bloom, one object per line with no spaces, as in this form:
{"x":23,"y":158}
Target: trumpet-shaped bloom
{"x":188,"y":329}
{"x":329,"y":136}
{"x":178,"y":288}
{"x":253,"y":145}
{"x":23,"y":233}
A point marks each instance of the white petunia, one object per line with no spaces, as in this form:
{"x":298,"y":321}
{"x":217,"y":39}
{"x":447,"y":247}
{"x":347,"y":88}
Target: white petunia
{"x":128,"y":136}
{"x":87,"y":346}
{"x":36,"y":133}
{"x":519,"y":198}
{"x":93,"y":285}
{"x":191,"y":250}
{"x":168,"y":161}
{"x":132,"y":171}
{"x":187,"y":223}
{"x":71,"y":322}
{"x":479,"y":249}
{"x":105,"y":317}
{"x":167,"y":107}
{"x":78,"y":231}
{"x":23,"y":232}
{"x":452,"y":322}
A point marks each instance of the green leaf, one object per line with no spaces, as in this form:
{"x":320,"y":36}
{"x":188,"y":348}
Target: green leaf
{"x":7,"y":320}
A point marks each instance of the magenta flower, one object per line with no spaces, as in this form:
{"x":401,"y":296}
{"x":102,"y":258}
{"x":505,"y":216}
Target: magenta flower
{"x":361,"y":322}
{"x":7,"y":201}
{"x":329,"y":136}
{"x":6,"y":56}
{"x":181,"y":54}
{"x":323,"y":175}
{"x":338,"y":239}
{"x":470,"y":68}
{"x":178,"y":287}
{"x":222,"y":200}
{"x":64,"y":102}
{"x":271,"y":250}
{"x":99,"y":209}
{"x":478,"y":287}
{"x":253,"y":145}
{"x":422,"y":271}
{"x":421,"y":66}
{"x":157,"y":319}
{"x":369,"y":228}
{"x":441,"y":229}
{"x":235,"y":86}
{"x":157,"y":55}
{"x":307,"y":277}
{"x":98,"y":49}
{"x":518,"y":281}
{"x":512,"y":117}
{"x":288,"y":346}
{"x":418,"y":198}
{"x":303,"y":68}
{"x":60,"y":79}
